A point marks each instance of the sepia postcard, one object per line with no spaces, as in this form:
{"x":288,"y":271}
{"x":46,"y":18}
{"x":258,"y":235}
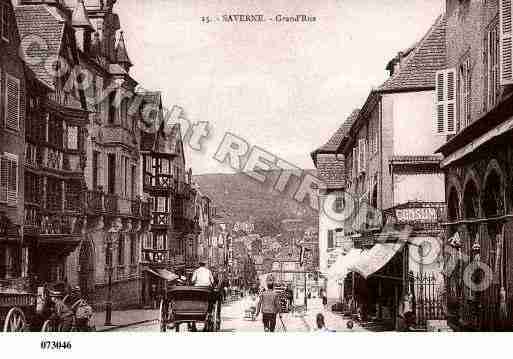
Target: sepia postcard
{"x":250,"y":166}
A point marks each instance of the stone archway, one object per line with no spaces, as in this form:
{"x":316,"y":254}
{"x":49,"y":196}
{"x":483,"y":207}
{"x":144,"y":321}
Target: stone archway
{"x":471,"y":200}
{"x":493,"y":194}
{"x":86,"y":268}
{"x":453,"y":205}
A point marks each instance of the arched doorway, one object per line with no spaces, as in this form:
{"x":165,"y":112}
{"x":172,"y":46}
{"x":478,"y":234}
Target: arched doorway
{"x":453,"y":205}
{"x":493,"y":207}
{"x":471,"y":201}
{"x":86,"y":269}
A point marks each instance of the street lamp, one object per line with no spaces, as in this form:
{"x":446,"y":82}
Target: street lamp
{"x":110,"y":269}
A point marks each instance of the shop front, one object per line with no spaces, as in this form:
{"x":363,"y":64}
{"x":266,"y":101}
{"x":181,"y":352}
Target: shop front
{"x":155,"y":284}
{"x":388,"y":277}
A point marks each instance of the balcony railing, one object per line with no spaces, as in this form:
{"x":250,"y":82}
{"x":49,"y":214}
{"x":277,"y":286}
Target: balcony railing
{"x":57,"y":223}
{"x":98,"y":202}
{"x":32,"y":215}
{"x":94,"y":201}
{"x":160,"y":218}
{"x":31,"y":156}
{"x":155,"y":256}
{"x":111,"y":203}
{"x":160,"y":181}
{"x":135,"y":208}
{"x":120,"y":272}
{"x":53,"y":158}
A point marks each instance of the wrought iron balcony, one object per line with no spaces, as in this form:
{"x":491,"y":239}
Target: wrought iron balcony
{"x":58,"y":223}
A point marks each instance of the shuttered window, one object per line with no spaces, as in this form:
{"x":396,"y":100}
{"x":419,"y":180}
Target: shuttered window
{"x":330,"y":239}
{"x":4,"y":22}
{"x":506,"y":41}
{"x":3,"y":179}
{"x":355,"y":162}
{"x":362,"y":155}
{"x":445,"y":92}
{"x":9,"y":179}
{"x":12,"y":101}
{"x":464,"y":89}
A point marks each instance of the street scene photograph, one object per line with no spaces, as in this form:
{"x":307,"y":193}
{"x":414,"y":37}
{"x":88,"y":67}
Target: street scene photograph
{"x":288,"y":166}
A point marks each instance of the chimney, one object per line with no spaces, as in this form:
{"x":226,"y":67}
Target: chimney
{"x":399,"y":59}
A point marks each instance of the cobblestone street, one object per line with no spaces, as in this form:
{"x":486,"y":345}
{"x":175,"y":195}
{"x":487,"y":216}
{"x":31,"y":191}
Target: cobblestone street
{"x":233,"y":320}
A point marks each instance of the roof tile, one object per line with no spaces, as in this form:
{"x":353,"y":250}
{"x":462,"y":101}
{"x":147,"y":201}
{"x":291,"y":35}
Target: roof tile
{"x":418,"y":68}
{"x":38,"y":20}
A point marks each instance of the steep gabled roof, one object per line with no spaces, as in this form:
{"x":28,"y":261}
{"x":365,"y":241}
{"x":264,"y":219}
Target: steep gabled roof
{"x":417,"y":69}
{"x":46,"y":23}
{"x":335,"y":141}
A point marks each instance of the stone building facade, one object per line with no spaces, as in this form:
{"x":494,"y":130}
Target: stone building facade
{"x":13,"y":257}
{"x":380,"y":165}
{"x":476,"y":87}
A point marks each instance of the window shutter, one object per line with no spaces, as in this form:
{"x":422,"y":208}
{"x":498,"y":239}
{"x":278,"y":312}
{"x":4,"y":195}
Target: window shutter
{"x":506,"y":44}
{"x":4,"y":178}
{"x":445,"y":92}
{"x":364,"y":155}
{"x":12,"y":185}
{"x":330,"y":238}
{"x":486,"y":70}
{"x":468,"y":93}
{"x":9,"y":179}
{"x":361,"y":155}
{"x":4,"y":22}
{"x":12,"y":100}
{"x":355,"y":162}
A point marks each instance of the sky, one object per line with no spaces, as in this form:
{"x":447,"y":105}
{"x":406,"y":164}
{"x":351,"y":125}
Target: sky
{"x":284,"y":87}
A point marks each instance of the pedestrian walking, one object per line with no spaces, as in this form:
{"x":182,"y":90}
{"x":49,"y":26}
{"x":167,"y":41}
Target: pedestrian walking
{"x":324,"y":300}
{"x":269,"y":305}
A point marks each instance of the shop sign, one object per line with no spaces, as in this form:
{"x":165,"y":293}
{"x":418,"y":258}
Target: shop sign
{"x":416,"y":215}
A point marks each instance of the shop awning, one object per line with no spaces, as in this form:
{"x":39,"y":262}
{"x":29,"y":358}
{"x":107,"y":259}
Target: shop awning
{"x":340,"y":268}
{"x":376,"y":258}
{"x":167,"y":275}
{"x":163,"y":273}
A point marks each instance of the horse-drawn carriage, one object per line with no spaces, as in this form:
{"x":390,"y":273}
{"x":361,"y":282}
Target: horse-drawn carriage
{"x":24,"y":310}
{"x":191,"y":305}
{"x":17,"y":309}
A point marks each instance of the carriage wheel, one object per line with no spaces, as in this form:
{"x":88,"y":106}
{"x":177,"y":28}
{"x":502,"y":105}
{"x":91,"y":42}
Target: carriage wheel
{"x":163,"y":315}
{"x":218,"y":317}
{"x":15,"y":321}
{"x":47,"y":326}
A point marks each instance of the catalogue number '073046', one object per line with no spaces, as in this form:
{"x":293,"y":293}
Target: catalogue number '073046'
{"x":55,"y":345}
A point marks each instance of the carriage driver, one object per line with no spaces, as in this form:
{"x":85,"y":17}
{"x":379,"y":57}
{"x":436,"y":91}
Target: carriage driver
{"x":202,"y":277}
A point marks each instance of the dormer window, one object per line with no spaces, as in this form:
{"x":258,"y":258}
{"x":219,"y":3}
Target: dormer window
{"x":4,"y":22}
